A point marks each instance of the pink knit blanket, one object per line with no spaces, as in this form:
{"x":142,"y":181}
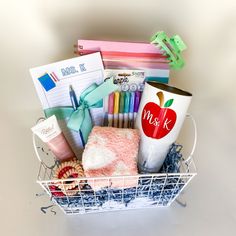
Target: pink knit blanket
{"x":111,"y":152}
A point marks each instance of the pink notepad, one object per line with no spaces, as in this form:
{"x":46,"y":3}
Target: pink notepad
{"x":110,"y":46}
{"x":127,"y":55}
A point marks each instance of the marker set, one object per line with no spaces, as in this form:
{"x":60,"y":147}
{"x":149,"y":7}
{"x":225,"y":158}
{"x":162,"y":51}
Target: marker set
{"x":123,"y":108}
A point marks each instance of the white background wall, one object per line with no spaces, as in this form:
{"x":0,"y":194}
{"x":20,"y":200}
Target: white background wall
{"x":38,"y":32}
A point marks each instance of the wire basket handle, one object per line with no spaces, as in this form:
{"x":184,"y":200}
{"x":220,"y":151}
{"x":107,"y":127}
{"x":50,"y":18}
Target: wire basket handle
{"x":34,"y":141}
{"x":195,"y":138}
{"x":35,"y":148}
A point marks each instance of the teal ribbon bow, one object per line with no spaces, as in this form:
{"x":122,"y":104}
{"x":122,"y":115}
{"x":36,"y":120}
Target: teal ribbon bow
{"x":80,"y":118}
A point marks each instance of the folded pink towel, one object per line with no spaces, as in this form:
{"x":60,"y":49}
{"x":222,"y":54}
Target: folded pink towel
{"x":111,"y":152}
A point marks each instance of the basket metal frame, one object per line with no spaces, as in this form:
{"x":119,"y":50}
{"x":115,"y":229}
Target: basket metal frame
{"x":151,"y":190}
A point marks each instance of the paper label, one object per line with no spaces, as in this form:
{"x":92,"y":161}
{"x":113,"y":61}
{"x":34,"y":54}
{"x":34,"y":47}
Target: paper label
{"x":128,"y":80}
{"x":48,"y":129}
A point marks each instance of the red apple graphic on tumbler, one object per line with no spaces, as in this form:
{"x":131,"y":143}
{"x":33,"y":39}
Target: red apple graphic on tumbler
{"x":158,"y":121}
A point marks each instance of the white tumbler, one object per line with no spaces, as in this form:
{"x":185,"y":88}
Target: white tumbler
{"x":161,"y":114}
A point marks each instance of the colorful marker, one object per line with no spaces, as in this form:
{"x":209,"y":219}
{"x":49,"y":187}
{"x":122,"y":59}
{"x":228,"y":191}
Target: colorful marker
{"x":126,"y":109}
{"x":116,"y":108}
{"x":121,"y":109}
{"x":110,"y":109}
{"x":131,"y":109}
{"x":136,"y":103}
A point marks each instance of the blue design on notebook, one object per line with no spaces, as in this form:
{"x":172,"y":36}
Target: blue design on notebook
{"x":47,"y":82}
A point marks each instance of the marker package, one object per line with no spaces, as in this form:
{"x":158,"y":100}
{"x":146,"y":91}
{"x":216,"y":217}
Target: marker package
{"x":121,"y":107}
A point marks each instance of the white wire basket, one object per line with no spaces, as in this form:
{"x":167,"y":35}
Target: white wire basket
{"x":150,"y":190}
